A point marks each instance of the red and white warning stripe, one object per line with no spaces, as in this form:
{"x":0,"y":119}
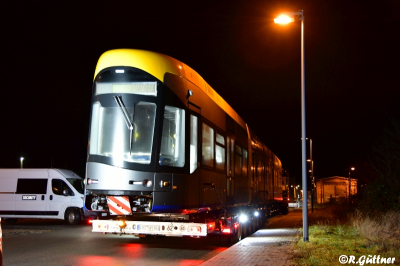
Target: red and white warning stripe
{"x":119,"y":205}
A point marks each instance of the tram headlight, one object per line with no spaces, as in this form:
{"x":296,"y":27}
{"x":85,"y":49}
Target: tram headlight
{"x":165,"y":183}
{"x":147,"y":183}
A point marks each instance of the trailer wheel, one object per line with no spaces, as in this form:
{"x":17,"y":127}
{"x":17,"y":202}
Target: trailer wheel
{"x":72,"y":216}
{"x":264,"y":218}
{"x":10,"y":220}
{"x":247,"y":228}
{"x":243,"y":231}
{"x":258,"y":223}
{"x":236,"y":236}
{"x":251,"y":227}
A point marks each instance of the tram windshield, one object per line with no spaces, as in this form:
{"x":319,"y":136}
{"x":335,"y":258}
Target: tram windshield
{"x":110,"y":136}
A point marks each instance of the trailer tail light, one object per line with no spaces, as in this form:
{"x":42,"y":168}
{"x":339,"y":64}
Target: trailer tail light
{"x":194,"y":229}
{"x":226,"y":231}
{"x":210,"y":226}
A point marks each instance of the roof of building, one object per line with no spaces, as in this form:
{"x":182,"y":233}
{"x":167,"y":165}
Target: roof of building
{"x":334,"y":177}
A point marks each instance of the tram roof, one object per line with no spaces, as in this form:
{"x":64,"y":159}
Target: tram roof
{"x":145,"y":60}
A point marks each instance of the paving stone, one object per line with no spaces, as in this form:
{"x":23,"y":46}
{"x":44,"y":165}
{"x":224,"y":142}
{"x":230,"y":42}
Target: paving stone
{"x":264,"y":247}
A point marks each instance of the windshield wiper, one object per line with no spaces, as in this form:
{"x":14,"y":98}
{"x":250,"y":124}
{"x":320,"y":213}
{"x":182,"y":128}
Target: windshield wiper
{"x":128,"y":123}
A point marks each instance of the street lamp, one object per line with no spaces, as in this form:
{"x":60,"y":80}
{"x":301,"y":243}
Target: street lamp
{"x":22,"y":162}
{"x":285,"y":18}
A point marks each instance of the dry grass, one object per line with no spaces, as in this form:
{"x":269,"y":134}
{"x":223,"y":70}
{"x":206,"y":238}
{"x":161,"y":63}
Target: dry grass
{"x":333,"y":233}
{"x":329,"y":214}
{"x":383,"y":229}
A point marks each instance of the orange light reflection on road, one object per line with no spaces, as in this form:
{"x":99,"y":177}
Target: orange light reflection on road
{"x":136,"y":254}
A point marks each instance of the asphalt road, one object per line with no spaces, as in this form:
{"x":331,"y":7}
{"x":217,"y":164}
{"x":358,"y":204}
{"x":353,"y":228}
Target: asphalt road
{"x":42,"y":242}
{"x":52,"y":242}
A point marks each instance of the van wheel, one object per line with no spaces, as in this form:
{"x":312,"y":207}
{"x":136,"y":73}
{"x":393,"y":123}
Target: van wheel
{"x":72,"y":216}
{"x":10,"y":220}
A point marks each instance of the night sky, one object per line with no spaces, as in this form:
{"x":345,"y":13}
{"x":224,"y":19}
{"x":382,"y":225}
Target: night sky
{"x":352,"y":62}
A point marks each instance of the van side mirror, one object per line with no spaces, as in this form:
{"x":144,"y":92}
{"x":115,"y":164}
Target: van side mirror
{"x":67,"y":192}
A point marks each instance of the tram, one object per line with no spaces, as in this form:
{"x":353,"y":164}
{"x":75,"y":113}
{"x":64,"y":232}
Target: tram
{"x":163,"y":141}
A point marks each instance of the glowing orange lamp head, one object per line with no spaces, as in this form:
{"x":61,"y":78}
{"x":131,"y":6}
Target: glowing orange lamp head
{"x":284,"y":18}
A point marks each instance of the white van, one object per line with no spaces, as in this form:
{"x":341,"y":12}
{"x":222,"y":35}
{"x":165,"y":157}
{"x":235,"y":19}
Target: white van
{"x":41,"y":193}
{"x":1,"y":246}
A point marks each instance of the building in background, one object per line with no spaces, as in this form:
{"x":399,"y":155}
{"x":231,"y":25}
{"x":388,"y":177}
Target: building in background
{"x":335,"y":189}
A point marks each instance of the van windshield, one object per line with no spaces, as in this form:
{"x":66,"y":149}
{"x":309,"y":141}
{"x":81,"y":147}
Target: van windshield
{"x":77,"y":184}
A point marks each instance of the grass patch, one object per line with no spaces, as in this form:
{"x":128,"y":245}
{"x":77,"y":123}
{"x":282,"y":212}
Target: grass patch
{"x":330,"y":237}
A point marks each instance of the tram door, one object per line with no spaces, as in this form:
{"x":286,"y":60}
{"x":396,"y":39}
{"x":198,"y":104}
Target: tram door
{"x":230,"y":170}
{"x":194,"y":148}
{"x":255,"y":182}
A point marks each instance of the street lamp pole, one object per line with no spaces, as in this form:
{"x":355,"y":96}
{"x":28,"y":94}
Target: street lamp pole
{"x":303,"y":134}
{"x":285,"y":18}
{"x":311,"y":171}
{"x":351,"y":169}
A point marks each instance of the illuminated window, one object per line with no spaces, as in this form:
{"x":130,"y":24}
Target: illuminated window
{"x":220,"y":139}
{"x":172,"y":150}
{"x":208,"y":146}
{"x":220,"y":152}
{"x":193,"y":143}
{"x":141,"y":88}
{"x":110,"y":136}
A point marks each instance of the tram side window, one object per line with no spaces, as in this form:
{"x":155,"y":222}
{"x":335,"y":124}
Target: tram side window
{"x":172,"y":151}
{"x":208,"y":146}
{"x":193,"y":143}
{"x":238,"y":160}
{"x":220,"y":152}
